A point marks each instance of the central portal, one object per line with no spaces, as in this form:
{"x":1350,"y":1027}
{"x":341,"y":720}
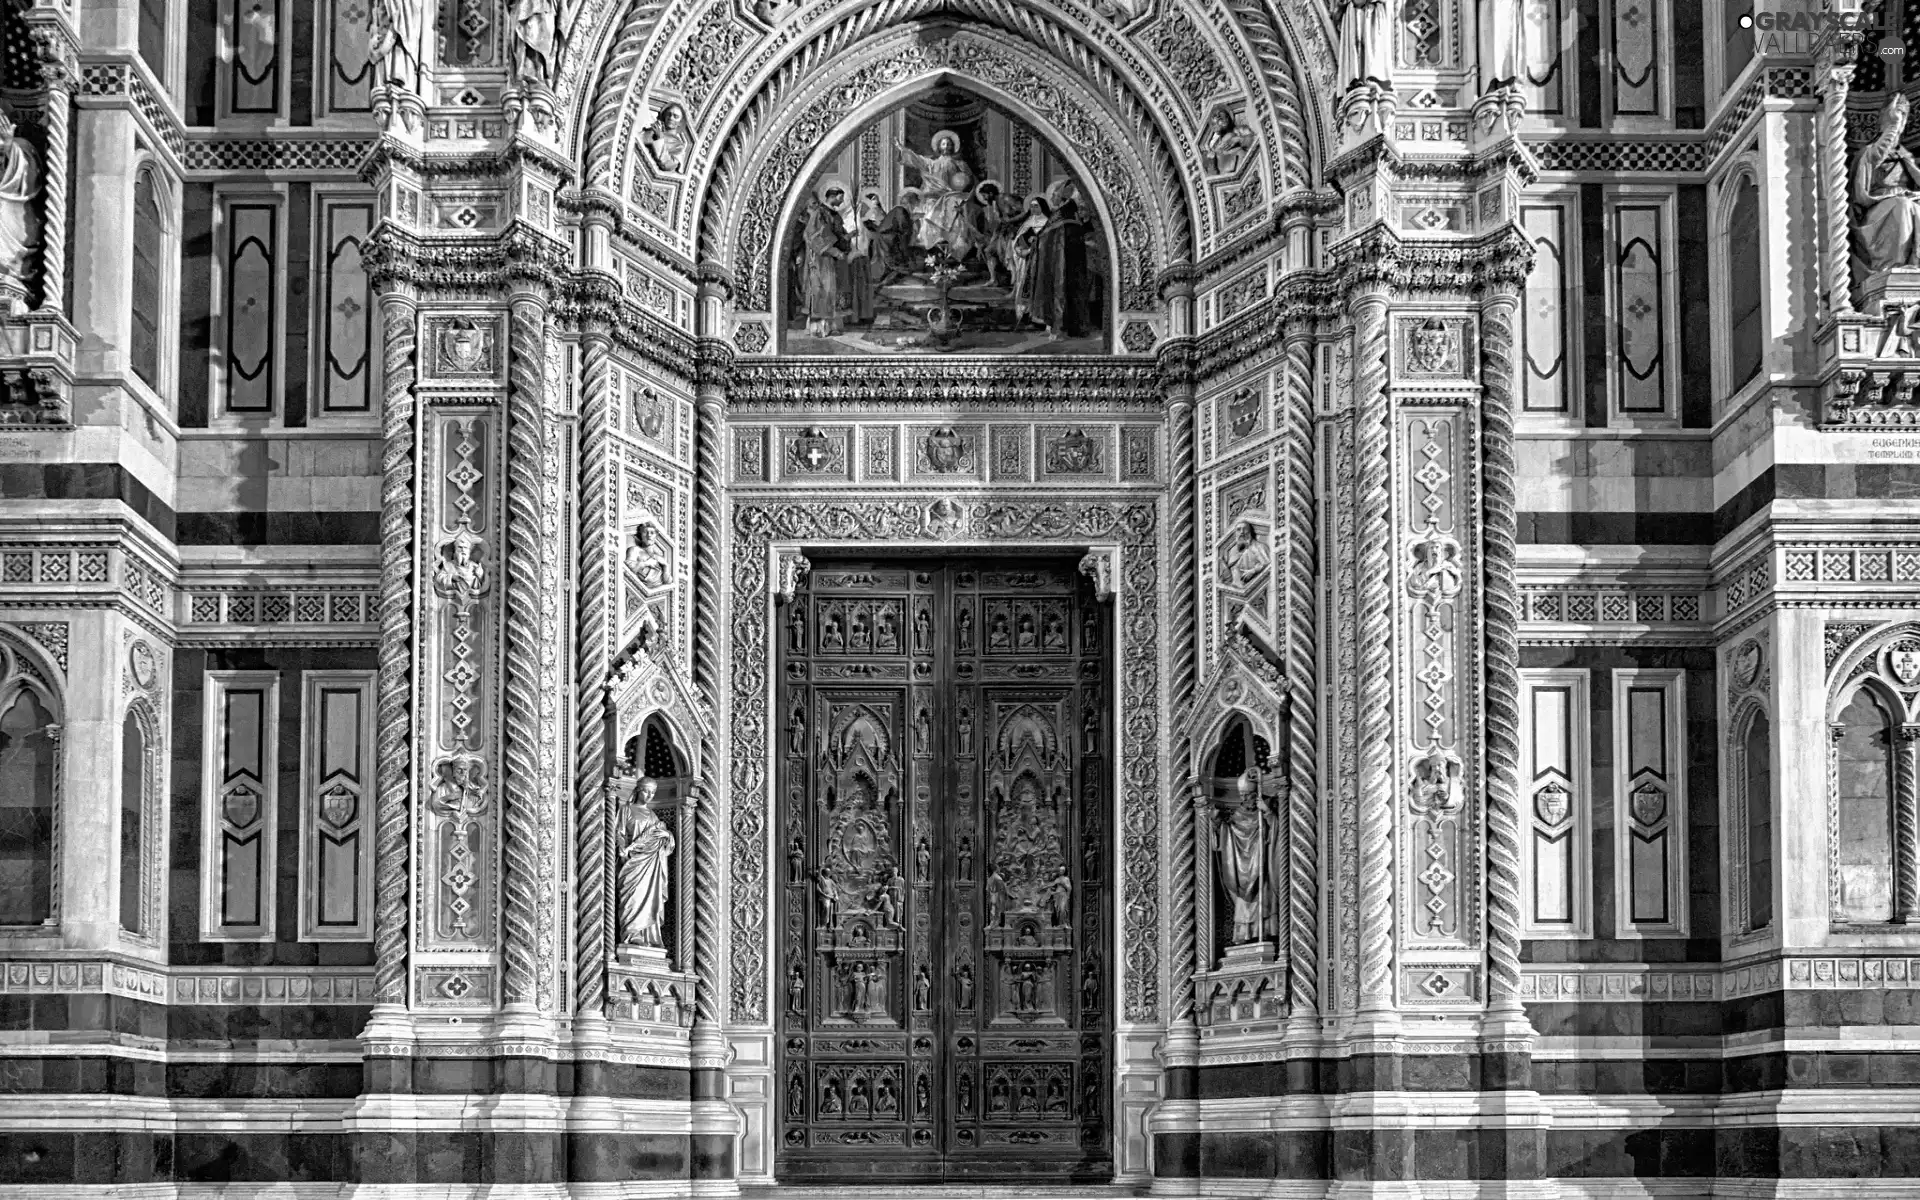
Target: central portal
{"x":944,"y":797}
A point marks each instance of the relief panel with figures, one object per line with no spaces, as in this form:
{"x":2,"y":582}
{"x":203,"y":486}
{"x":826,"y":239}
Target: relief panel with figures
{"x":943,"y":814}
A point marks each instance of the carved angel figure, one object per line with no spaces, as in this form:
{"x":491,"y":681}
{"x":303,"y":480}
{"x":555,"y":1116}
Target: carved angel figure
{"x":1886,"y":198}
{"x":667,"y":140}
{"x":395,"y":39}
{"x":19,"y":223}
{"x":644,"y":844}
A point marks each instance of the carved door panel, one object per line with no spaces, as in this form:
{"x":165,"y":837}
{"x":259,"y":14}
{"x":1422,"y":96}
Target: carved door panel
{"x":943,"y":805}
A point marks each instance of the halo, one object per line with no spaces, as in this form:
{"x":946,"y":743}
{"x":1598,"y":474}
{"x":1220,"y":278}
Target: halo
{"x":1057,"y":190}
{"x":872,"y":194}
{"x":999,"y":187}
{"x":934,"y":145}
{"x":830,"y":182}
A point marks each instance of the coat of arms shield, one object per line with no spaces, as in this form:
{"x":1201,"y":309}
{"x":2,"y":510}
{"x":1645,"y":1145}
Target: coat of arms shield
{"x":1903,"y":660}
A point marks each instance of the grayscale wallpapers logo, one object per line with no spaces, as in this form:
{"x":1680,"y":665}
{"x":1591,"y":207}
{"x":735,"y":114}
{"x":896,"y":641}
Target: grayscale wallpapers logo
{"x":1796,"y":29}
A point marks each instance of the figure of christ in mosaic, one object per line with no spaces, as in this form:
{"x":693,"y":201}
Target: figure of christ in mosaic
{"x":946,"y":226}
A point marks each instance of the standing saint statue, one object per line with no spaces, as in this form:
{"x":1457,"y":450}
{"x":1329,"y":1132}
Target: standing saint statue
{"x":1886,"y":199}
{"x":1366,"y":43}
{"x":536,"y":41}
{"x":1240,"y":841}
{"x":644,"y":844}
{"x":394,"y":42}
{"x":19,"y":223}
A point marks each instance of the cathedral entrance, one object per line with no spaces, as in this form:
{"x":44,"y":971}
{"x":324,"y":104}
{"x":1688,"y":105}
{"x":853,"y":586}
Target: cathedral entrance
{"x":945,"y":787}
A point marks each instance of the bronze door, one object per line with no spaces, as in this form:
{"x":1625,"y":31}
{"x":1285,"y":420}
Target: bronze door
{"x":944,"y":792}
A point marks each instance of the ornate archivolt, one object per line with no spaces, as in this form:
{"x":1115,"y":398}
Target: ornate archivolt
{"x":1160,"y":73}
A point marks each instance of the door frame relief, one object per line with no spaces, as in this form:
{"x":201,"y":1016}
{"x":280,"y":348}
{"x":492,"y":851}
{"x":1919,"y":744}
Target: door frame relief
{"x":1122,"y":543}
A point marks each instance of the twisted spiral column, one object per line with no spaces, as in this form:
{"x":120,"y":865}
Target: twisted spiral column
{"x":1200,"y":813}
{"x":594,"y":606}
{"x":708,"y":588}
{"x":1500,"y":605}
{"x":1373,"y":504}
{"x":1906,"y":827}
{"x":57,"y":76}
{"x":393,"y":775}
{"x":1184,"y":630}
{"x":1302,"y":650}
{"x":1836,"y":273}
{"x":526,"y":451}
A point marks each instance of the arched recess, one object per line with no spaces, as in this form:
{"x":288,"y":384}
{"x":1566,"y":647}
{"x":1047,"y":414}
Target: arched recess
{"x":789,"y":128}
{"x":1750,"y":818}
{"x":1873,"y":811}
{"x":142,"y":776}
{"x":618,"y":58}
{"x":31,"y":801}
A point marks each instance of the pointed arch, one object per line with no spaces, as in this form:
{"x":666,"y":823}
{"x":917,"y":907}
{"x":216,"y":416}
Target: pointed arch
{"x":32,"y":710}
{"x":624,"y":60}
{"x":753,"y":187}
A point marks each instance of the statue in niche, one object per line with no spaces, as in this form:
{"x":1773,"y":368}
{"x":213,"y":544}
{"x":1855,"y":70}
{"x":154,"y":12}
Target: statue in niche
{"x":1225,"y":144}
{"x":1026,"y":987}
{"x":829,"y":894}
{"x":922,"y":632}
{"x":1056,"y":1094}
{"x":1886,"y":198}
{"x":796,"y":990}
{"x":966,"y":858}
{"x":644,"y":845}
{"x":796,"y":630}
{"x":963,"y":986}
{"x":998,"y":1095}
{"x":667,"y":140}
{"x":922,"y":990}
{"x":1060,"y":899}
{"x":922,"y":861}
{"x":1366,"y":43}
{"x":963,"y":633}
{"x":829,"y":1099}
{"x":1506,"y":28}
{"x":796,"y":1098}
{"x":797,"y":728}
{"x":965,"y":723}
{"x":999,"y":633}
{"x":885,"y":1099}
{"x":796,"y":861}
{"x":1029,"y":1101}
{"x":535,"y":41}
{"x":395,"y":38}
{"x":1241,"y":841}
{"x":922,"y":1097}
{"x":889,"y":899}
{"x":996,"y":896}
{"x":886,"y":633}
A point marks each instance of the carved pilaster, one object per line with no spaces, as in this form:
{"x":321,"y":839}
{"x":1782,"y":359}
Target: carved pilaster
{"x":1183,"y":632}
{"x":1835,"y":76}
{"x":1372,"y":503}
{"x":1500,"y":634}
{"x":58,"y":75}
{"x":708,"y":590}
{"x":1204,"y":899}
{"x":394,"y":719}
{"x":526,"y":525}
{"x":1302,"y":669}
{"x":598,"y":522}
{"x":1906,"y":825}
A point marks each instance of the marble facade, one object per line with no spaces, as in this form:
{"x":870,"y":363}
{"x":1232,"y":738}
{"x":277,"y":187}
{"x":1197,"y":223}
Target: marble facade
{"x":1486,"y":454}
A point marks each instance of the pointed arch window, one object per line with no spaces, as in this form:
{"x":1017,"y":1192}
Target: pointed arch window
{"x":149,"y":276}
{"x":1744,"y":286}
{"x":29,"y":796}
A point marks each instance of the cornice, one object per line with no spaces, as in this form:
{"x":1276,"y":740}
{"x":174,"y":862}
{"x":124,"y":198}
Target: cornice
{"x":1009,"y":382}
